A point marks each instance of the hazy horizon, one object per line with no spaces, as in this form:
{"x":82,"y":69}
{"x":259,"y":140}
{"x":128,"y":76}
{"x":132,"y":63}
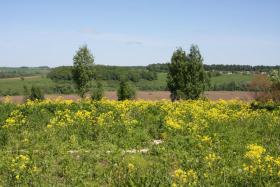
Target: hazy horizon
{"x":36,"y":33}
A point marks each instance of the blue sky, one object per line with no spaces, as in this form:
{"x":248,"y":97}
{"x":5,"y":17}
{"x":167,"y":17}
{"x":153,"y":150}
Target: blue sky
{"x":130,"y":32}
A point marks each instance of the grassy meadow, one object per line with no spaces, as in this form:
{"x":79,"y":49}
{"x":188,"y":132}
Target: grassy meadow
{"x":14,"y":86}
{"x":138,"y":143}
{"x":227,"y":78}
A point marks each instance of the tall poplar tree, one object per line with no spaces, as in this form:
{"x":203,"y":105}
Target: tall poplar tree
{"x":186,"y":78}
{"x":82,"y":69}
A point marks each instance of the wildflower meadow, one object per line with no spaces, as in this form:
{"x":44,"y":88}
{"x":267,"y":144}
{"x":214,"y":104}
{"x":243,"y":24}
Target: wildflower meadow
{"x":138,"y":143}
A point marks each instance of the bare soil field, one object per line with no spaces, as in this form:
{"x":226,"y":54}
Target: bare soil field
{"x":156,"y":95}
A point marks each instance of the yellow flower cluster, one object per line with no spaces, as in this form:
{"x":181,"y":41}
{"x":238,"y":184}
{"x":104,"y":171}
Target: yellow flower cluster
{"x":21,"y":166}
{"x":61,"y":119}
{"x":182,"y":177}
{"x":58,"y":100}
{"x":254,"y":152}
{"x":16,"y":119}
{"x":258,"y":162}
{"x":105,"y":118}
{"x":83,"y":115}
{"x":67,"y":118}
{"x":131,"y":167}
{"x":205,"y":139}
{"x":211,"y":158}
{"x":173,"y":123}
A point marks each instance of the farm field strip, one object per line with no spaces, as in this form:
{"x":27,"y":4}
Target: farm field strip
{"x":151,"y":95}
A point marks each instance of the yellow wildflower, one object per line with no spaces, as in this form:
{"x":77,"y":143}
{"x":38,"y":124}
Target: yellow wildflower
{"x":254,"y":152}
{"x":131,"y":167}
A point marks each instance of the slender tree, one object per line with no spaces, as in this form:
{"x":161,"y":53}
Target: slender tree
{"x":196,"y":77}
{"x":175,"y":76}
{"x":82,"y":71}
{"x":36,"y":93}
{"x":125,"y":91}
{"x":186,"y":77}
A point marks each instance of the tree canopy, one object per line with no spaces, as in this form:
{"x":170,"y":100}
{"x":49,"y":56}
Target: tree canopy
{"x":186,"y":77}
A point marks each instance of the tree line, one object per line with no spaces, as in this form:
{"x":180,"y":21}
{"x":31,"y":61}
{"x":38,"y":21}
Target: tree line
{"x":6,"y":72}
{"x":102,"y":72}
{"x":163,"y":67}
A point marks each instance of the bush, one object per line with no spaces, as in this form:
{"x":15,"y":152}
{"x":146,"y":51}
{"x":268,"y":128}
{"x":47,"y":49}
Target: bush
{"x":64,"y":89}
{"x":26,"y":93}
{"x":125,"y":91}
{"x":270,"y":106}
{"x":267,"y":88}
{"x":98,"y":92}
{"x":36,"y":94}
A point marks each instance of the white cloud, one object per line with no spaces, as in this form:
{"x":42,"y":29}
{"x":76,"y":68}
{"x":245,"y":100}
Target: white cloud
{"x":126,"y":39}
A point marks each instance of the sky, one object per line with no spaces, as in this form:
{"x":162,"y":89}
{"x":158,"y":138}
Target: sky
{"x":138,"y":32}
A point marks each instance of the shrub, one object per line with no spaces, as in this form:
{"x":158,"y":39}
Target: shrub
{"x":98,"y":92}
{"x":270,"y":106}
{"x":267,"y":87}
{"x":26,"y":93}
{"x":64,"y":89}
{"x":36,"y":94}
{"x":125,"y":91}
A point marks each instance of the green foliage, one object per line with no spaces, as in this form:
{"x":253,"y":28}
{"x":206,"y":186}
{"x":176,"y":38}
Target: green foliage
{"x":26,"y":93}
{"x":125,"y":91}
{"x":186,"y":78}
{"x":98,"y":92}
{"x":36,"y":94}
{"x":101,"y":72}
{"x":82,"y":73}
{"x":64,"y":88}
{"x":61,"y":73}
{"x":158,"y":67}
{"x":270,"y":106}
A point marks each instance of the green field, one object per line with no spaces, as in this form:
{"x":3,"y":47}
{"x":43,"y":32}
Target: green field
{"x":14,"y":86}
{"x":227,"y":78}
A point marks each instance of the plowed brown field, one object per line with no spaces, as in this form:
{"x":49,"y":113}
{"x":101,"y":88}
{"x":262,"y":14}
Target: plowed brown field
{"x":158,"y":95}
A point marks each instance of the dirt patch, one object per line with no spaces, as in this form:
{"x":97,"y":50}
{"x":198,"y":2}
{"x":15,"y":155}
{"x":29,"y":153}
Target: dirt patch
{"x":155,"y":95}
